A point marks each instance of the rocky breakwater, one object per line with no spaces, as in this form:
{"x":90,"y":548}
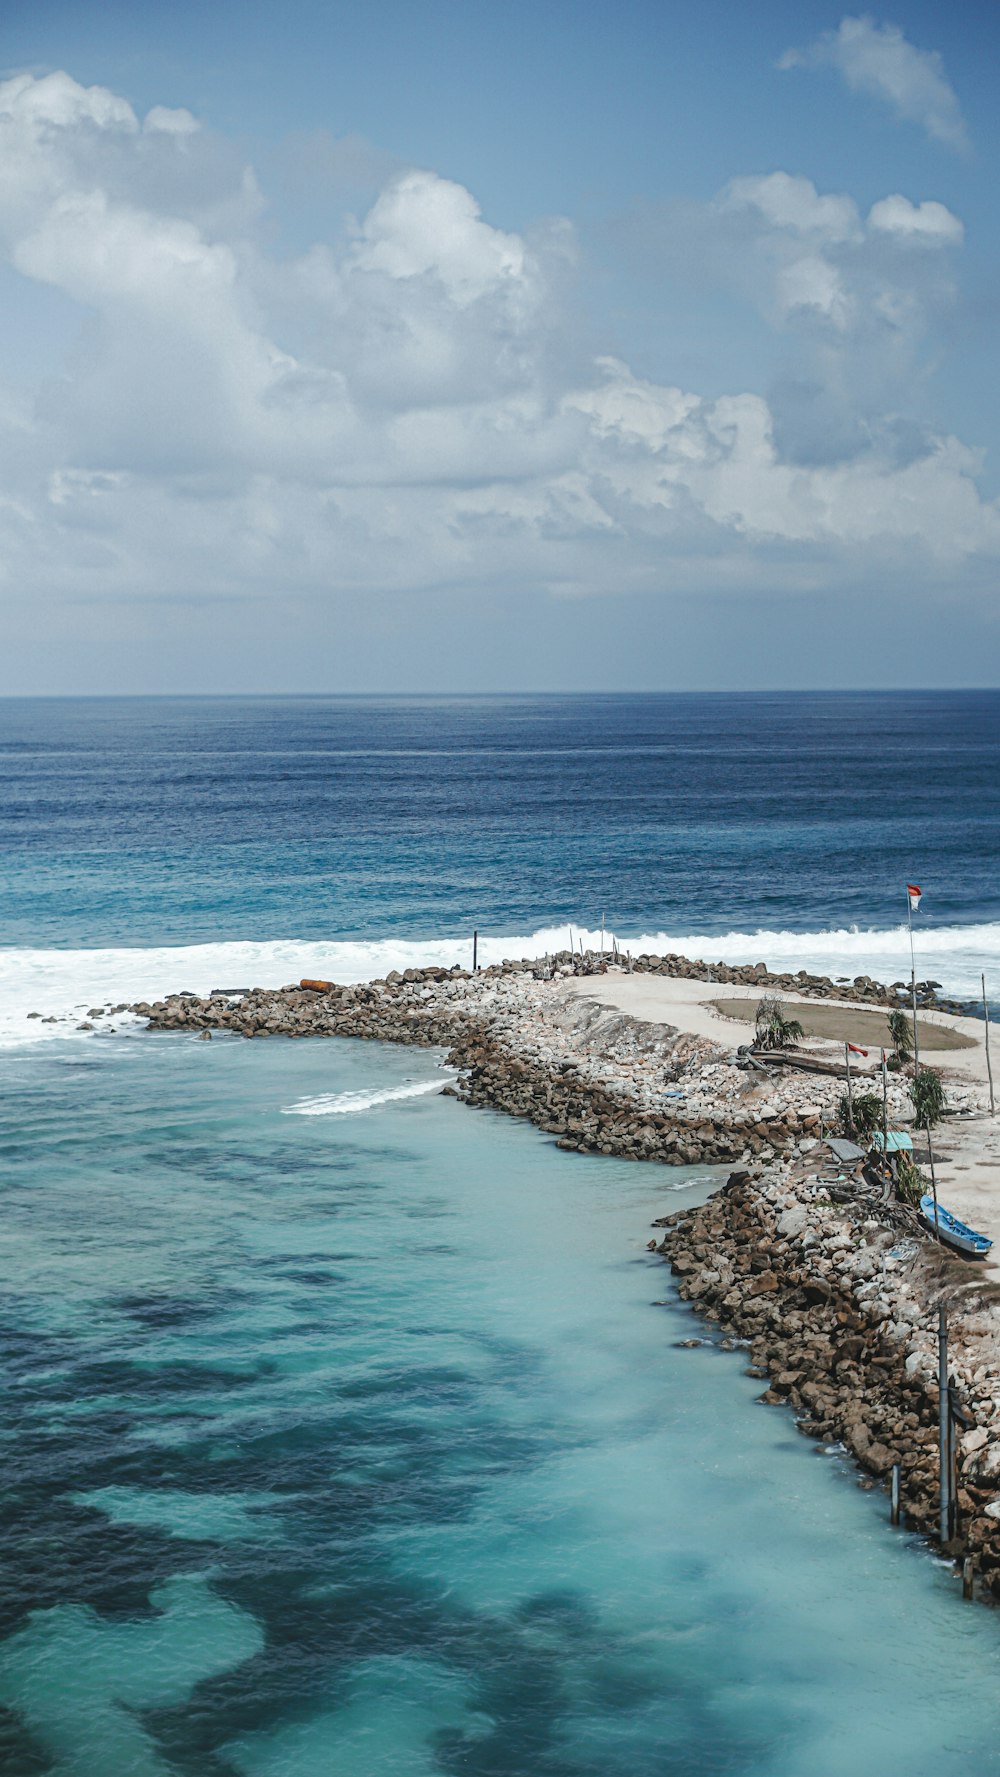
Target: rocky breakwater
{"x":839,"y":1305}
{"x":421,"y":1006}
{"x":599,"y":1081}
{"x":864,"y":990}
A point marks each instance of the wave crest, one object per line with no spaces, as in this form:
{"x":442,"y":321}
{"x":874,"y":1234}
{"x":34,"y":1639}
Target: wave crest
{"x":345,"y":1104}
{"x":66,"y":983}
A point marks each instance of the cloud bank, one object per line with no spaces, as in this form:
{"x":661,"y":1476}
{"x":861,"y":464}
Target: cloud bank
{"x":406,"y":405}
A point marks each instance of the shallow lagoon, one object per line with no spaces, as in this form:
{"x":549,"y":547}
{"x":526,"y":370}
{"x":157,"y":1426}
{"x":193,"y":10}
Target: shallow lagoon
{"x":353,"y":1443}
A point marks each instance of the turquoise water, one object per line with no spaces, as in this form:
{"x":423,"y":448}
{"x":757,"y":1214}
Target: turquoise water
{"x":354,"y":1443}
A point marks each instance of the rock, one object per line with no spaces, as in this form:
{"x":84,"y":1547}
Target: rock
{"x":786,"y":1380}
{"x":764,"y":1284}
{"x":879,"y":1458}
{"x":792,"y":1222}
{"x":974,"y":1440}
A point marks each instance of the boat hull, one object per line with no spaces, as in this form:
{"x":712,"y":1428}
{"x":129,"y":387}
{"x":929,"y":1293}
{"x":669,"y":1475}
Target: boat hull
{"x":953,"y":1232}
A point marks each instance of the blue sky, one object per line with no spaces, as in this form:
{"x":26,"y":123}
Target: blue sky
{"x":440,"y":346}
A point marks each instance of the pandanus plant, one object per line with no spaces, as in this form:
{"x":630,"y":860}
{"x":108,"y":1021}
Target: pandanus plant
{"x":929,"y":1102}
{"x":901,"y":1034}
{"x":774,"y":1030}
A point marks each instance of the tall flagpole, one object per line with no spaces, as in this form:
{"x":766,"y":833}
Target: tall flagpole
{"x":916,"y":1056}
{"x":913,"y":986}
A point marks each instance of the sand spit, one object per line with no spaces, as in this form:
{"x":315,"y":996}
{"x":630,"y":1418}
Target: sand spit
{"x":836,"y":1291}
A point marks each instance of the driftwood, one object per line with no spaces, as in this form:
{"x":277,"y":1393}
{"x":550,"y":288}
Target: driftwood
{"x":808,"y":1064}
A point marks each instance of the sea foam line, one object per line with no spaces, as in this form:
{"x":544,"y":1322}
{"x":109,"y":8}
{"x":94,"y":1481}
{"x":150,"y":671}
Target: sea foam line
{"x":66,"y":983}
{"x":344,"y":1104}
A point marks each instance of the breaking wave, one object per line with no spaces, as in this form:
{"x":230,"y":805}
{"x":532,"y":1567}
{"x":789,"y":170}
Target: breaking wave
{"x":345,"y":1104}
{"x":65,"y":984}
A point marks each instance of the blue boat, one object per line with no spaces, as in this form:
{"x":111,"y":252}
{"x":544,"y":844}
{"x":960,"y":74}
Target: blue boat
{"x":952,"y":1231}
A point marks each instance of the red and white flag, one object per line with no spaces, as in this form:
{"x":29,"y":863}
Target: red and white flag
{"x":914,"y":894}
{"x":856,"y":1049}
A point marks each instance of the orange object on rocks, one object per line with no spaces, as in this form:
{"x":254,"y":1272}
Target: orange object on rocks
{"x":318,"y":986}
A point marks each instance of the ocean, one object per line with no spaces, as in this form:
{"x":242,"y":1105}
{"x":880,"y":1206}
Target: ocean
{"x":345,"y":1429}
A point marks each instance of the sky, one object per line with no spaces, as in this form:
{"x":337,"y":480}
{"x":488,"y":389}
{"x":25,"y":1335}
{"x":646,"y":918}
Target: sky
{"x":430,"y":346}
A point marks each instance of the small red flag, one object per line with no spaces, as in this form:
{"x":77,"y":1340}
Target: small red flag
{"x":856,"y":1049}
{"x":914,"y":894}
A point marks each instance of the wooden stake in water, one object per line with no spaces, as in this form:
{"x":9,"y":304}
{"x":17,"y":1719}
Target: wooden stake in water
{"x":989,"y":1065}
{"x":968,"y":1578}
{"x":944,"y":1495}
{"x":894,"y":1495}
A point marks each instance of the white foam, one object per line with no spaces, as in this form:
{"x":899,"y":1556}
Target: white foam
{"x":345,"y":1104}
{"x":66,"y":983}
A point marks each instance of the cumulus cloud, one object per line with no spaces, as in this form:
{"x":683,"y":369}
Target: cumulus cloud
{"x":927,"y":225}
{"x":878,"y":59}
{"x":424,"y":225}
{"x":789,"y":202}
{"x":405,"y":406}
{"x":854,"y":303}
{"x":808,"y":258}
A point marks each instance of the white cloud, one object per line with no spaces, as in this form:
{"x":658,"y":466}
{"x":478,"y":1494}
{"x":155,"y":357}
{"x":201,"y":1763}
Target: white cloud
{"x":57,"y":102}
{"x":928,"y":224}
{"x":812,"y":284}
{"x":878,"y":59}
{"x":793,"y":203}
{"x":422,"y":224}
{"x":808,"y":260}
{"x":172,"y":122}
{"x":403,"y":406}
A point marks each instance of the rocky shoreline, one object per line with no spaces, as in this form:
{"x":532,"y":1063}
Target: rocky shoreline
{"x":595,"y":1082}
{"x":838,"y":1299}
{"x":838,"y":1303}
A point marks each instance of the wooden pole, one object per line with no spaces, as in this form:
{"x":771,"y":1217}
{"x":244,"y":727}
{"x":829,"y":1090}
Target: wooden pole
{"x":989,"y":1065}
{"x":475,"y":952}
{"x":952,"y":1464}
{"x":885,"y":1112}
{"x":944,"y":1502}
{"x":850,"y":1094}
{"x":968,"y":1578}
{"x":894,"y":1495}
{"x":930,"y":1156}
{"x":602,"y":934}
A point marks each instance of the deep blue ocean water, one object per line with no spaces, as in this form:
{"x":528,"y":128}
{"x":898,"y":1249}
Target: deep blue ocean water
{"x":343,"y":1429}
{"x":174,"y":821}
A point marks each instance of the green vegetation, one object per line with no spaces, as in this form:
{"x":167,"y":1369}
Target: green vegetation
{"x":866,"y":1116}
{"x":901,"y":1033}
{"x":929,"y":1102}
{"x":910,"y":1181}
{"x":774,"y":1030}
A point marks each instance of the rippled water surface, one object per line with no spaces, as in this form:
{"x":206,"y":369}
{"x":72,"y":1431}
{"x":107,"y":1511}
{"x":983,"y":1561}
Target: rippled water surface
{"x":352,"y":1445}
{"x":181,"y":820}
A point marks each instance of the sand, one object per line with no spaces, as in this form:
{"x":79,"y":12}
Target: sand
{"x":967,"y":1151}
